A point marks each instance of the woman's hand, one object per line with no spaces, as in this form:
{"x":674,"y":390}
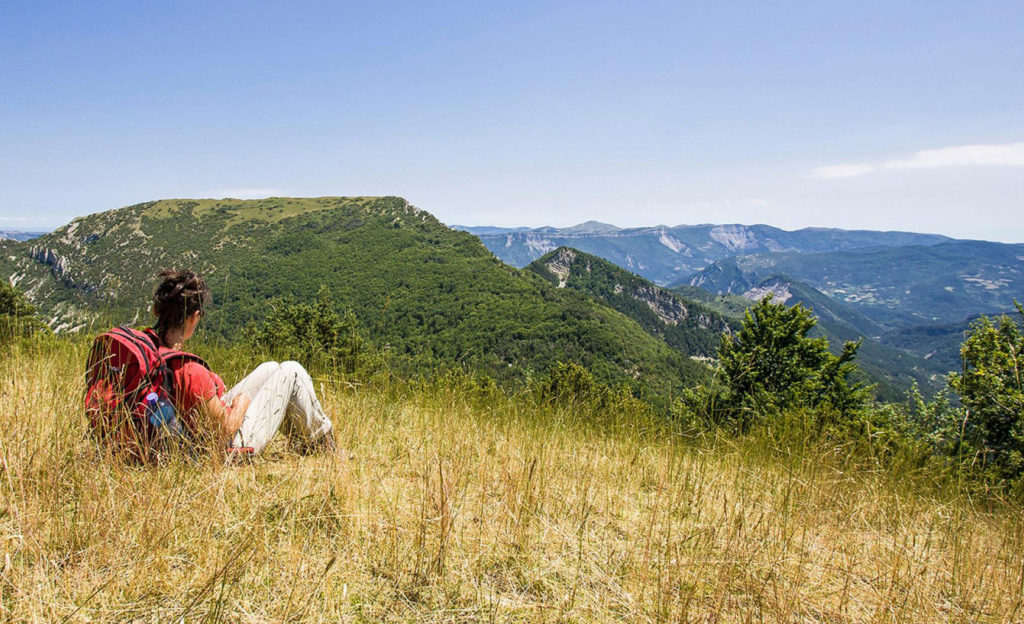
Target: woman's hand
{"x":227,"y":418}
{"x":235,"y":414}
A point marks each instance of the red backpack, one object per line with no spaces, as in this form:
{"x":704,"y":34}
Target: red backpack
{"x":124,"y":366}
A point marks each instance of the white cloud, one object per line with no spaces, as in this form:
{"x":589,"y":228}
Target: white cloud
{"x":14,"y":219}
{"x":841,"y":171}
{"x":1004,"y":155}
{"x":247,"y":193}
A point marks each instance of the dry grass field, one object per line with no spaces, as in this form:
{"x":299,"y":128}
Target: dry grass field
{"x":443,"y":510}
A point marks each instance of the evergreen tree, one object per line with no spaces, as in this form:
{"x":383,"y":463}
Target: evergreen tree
{"x":771,"y":364}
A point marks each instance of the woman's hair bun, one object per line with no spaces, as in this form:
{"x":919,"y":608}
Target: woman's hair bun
{"x":180,"y":294}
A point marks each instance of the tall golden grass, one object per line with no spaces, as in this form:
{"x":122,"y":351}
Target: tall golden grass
{"x":441,"y":509}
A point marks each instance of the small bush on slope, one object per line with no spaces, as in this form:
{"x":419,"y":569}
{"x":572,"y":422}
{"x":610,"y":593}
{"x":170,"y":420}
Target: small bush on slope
{"x":571,"y":385}
{"x":314,"y":334}
{"x":17,"y":316}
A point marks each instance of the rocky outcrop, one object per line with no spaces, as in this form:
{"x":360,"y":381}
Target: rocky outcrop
{"x":45,"y":255}
{"x":561,"y":265}
{"x":777,"y":288}
{"x":667,"y":306}
{"x":60,"y":266}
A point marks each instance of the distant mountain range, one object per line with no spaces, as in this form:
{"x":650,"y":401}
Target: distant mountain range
{"x":666,"y":255}
{"x":910,"y":295}
{"x":19,"y":235}
{"x":681,"y":317}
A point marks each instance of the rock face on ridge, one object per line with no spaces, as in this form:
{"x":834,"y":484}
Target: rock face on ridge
{"x":560,"y":263}
{"x":778,"y":289}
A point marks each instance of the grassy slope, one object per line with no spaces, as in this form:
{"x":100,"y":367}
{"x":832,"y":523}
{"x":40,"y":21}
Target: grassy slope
{"x":732,"y":306}
{"x":431,"y":295}
{"x":501,"y":512}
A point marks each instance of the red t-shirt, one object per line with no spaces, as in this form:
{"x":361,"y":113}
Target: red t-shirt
{"x":193,"y":384}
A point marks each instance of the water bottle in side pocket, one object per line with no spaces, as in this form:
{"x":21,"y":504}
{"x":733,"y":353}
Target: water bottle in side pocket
{"x":161,"y":414}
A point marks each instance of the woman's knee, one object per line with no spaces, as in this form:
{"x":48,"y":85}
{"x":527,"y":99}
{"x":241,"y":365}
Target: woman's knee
{"x":292,"y":367}
{"x":267,"y":367}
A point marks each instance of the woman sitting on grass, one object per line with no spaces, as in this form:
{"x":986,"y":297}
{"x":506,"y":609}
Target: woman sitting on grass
{"x":274,"y":397}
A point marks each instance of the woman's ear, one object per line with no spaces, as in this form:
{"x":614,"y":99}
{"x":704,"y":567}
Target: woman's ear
{"x":154,"y":311}
{"x":191,"y":322}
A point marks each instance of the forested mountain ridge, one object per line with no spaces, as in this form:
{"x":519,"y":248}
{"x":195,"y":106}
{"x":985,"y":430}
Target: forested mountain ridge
{"x":939,"y":344}
{"x":893,"y":366}
{"x":430,"y":296}
{"x":666,"y":255}
{"x":684,"y":325}
{"x":789,"y":291}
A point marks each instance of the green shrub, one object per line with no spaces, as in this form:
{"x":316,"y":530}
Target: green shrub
{"x":314,"y":334}
{"x":569,"y":384}
{"x":17,"y":316}
{"x":771,"y":365}
{"x":991,"y":389}
{"x":936,"y":422}
{"x":461,"y":384}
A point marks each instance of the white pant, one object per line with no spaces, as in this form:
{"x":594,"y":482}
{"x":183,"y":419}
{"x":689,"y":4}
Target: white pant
{"x":283,"y":399}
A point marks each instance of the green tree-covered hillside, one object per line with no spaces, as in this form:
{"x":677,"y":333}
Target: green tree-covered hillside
{"x":429,"y":295}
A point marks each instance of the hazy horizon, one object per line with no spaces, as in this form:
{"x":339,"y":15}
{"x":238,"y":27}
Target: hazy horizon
{"x":555,"y":225}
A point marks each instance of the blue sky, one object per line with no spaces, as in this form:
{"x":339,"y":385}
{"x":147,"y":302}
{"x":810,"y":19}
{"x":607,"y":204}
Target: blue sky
{"x":881,"y":115}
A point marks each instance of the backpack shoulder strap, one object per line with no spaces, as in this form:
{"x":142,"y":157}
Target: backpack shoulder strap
{"x":173,"y":355}
{"x":167,"y":356}
{"x":143,"y":339}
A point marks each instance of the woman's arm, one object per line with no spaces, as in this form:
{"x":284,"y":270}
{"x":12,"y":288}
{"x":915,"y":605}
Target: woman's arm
{"x":227,"y":418}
